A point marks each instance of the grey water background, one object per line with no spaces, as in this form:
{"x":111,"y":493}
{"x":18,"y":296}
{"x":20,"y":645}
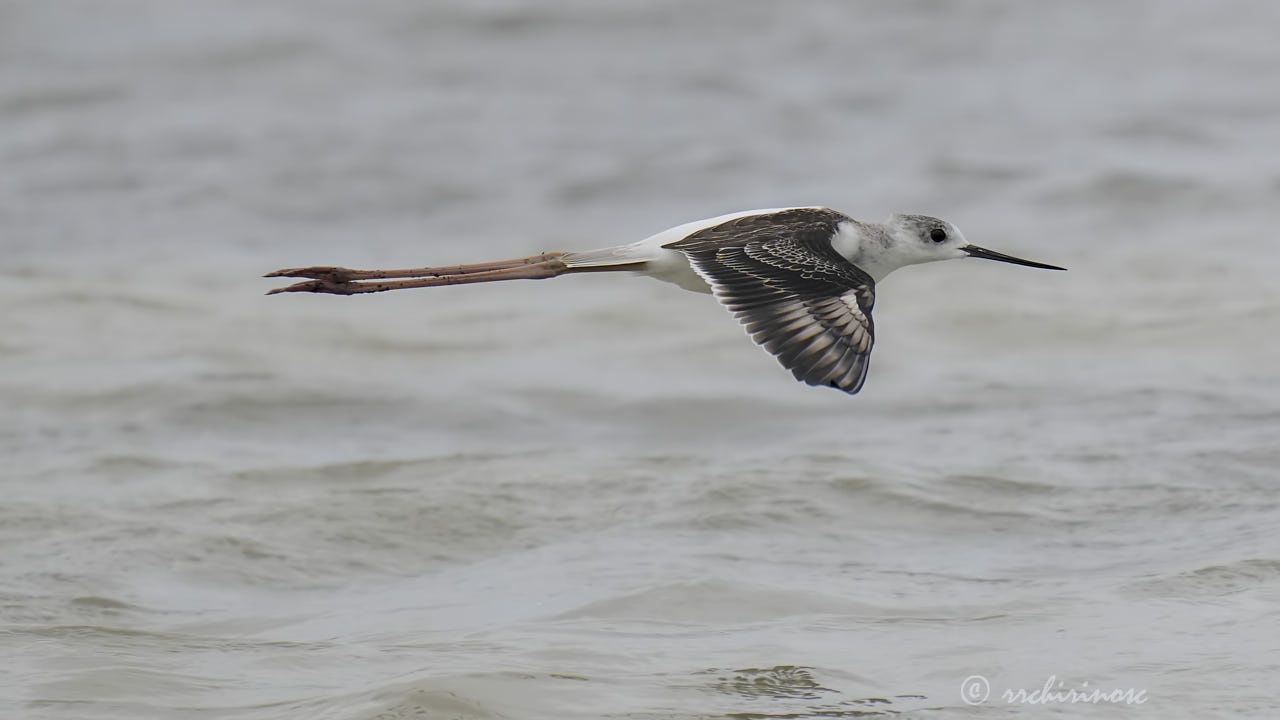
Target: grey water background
{"x":593,"y":497}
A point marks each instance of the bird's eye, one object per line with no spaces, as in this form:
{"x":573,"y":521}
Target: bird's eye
{"x":937,"y":234}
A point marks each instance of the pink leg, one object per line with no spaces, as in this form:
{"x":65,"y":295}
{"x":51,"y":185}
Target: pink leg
{"x":342,"y":275}
{"x":340,"y":283}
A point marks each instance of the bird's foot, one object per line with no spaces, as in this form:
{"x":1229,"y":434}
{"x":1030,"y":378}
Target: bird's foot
{"x":318,"y":272}
{"x":321,"y":285}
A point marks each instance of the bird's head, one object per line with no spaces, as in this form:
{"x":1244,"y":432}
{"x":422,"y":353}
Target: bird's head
{"x":920,"y":239}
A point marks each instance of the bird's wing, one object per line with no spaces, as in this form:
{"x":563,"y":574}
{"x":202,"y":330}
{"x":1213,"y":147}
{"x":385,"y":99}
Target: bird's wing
{"x":798,"y":298}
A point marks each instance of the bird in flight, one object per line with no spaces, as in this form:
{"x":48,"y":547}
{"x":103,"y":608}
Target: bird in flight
{"x":801,"y":280}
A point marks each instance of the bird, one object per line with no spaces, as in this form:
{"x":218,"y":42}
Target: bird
{"x":801,"y":280}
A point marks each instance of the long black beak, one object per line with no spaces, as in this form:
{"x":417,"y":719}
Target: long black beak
{"x":980,"y":252}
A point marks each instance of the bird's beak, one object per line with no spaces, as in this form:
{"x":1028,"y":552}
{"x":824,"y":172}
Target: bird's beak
{"x":981,"y":252}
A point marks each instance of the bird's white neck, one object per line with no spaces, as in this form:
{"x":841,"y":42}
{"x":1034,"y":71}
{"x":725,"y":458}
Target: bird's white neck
{"x":870,"y":247}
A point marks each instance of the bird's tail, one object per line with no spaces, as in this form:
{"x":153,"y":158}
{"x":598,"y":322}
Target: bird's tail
{"x":345,"y":281}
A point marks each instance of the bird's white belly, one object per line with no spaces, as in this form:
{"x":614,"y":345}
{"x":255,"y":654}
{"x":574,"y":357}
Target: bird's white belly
{"x":672,"y":266}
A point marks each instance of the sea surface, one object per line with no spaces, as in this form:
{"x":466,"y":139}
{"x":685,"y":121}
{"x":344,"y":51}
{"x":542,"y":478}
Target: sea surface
{"x":594,"y":497}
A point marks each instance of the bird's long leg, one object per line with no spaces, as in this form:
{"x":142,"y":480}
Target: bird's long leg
{"x":341,"y":274}
{"x":342,"y":281}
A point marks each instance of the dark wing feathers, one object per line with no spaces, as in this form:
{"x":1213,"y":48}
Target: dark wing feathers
{"x":796,"y":295}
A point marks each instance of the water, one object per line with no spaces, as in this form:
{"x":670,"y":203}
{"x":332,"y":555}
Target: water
{"x":592,"y":497}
